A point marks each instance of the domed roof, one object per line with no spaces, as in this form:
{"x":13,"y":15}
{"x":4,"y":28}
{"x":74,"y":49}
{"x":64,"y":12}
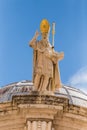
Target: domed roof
{"x":75,"y":96}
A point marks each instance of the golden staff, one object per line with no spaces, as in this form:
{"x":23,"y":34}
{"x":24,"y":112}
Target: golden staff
{"x":53,"y":33}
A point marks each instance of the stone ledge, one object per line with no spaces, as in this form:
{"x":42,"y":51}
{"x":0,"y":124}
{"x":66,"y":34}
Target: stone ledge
{"x":39,"y":99}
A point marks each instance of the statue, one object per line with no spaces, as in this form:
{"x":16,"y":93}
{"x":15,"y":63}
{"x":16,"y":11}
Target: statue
{"x":45,"y":68}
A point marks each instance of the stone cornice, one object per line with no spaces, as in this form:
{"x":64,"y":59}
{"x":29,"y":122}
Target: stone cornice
{"x":40,"y":99}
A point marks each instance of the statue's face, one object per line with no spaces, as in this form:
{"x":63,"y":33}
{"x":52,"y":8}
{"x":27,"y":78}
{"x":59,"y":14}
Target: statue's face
{"x":45,"y":36}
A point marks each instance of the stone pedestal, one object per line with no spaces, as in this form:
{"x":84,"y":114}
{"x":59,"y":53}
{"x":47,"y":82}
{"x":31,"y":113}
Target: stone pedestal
{"x":42,"y":111}
{"x":39,"y":117}
{"x":39,"y":110}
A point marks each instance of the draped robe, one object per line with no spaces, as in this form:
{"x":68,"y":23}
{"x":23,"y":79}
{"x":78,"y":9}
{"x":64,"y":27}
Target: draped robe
{"x":43,"y":62}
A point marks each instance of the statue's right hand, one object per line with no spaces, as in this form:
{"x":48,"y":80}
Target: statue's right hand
{"x":36,"y":34}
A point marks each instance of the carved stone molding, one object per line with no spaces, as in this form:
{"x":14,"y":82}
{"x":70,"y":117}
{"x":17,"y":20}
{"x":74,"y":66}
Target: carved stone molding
{"x":37,"y":98}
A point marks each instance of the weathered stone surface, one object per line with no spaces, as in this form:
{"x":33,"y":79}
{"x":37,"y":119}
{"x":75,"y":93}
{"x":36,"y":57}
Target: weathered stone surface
{"x":20,"y":106}
{"x":49,"y":108}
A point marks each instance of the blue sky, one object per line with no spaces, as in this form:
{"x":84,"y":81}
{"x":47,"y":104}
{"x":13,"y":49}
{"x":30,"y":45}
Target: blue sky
{"x":19,"y":19}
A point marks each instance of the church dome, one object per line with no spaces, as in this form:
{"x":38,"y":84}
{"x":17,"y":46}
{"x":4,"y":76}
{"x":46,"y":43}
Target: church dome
{"x":76,"y":97}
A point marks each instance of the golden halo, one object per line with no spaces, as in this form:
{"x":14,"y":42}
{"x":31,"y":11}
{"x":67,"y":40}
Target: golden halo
{"x":44,"y":26}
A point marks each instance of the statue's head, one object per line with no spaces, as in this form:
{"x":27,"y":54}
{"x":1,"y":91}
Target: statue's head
{"x":44,"y":28}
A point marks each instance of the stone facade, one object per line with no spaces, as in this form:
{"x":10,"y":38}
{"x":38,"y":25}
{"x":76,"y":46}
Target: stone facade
{"x":37,"y":111}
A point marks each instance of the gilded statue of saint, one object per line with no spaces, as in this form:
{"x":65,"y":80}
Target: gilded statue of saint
{"x":45,"y":62}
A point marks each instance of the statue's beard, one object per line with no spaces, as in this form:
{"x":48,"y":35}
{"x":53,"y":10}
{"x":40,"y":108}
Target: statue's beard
{"x":45,"y":39}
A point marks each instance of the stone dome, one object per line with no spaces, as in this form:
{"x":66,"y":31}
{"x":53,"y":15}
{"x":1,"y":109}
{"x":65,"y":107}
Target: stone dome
{"x":76,"y":97}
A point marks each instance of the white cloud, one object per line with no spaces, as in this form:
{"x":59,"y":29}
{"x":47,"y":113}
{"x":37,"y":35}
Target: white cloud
{"x":79,"y":79}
